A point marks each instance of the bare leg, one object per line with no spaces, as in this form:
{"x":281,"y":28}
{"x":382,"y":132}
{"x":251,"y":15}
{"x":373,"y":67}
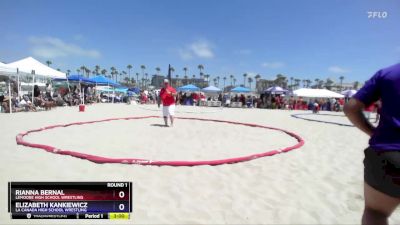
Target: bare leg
{"x":166,"y":121}
{"x":172,"y":120}
{"x":378,"y":206}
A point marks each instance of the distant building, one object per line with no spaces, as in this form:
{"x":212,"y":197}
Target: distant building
{"x":157,"y":80}
{"x":199,"y":82}
{"x":345,"y":86}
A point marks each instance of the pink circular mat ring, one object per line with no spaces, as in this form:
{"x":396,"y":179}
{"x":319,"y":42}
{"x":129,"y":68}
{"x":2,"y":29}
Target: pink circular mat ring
{"x":98,"y":159}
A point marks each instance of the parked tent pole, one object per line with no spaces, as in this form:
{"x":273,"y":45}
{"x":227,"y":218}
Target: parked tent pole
{"x":18,"y":85}
{"x":9,"y":93}
{"x":69,"y":88}
{"x":80,"y":90}
{"x":113,"y":95}
{"x":33,"y":87}
{"x":83,"y":95}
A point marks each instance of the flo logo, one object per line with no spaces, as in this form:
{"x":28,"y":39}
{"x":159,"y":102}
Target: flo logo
{"x":377,"y":14}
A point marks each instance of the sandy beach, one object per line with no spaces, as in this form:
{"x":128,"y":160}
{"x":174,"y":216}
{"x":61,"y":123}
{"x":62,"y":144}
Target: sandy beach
{"x":319,"y":183}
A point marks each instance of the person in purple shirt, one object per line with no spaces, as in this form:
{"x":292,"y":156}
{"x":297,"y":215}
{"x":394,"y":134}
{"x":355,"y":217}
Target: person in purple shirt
{"x":382,"y":157}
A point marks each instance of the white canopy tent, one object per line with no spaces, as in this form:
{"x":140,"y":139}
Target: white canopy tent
{"x":30,"y":64}
{"x":36,"y":68}
{"x":8,"y":71}
{"x":316,"y":93}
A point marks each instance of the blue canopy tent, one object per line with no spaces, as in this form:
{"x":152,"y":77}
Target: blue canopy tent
{"x":241,"y":90}
{"x":77,"y":78}
{"x":211,"y":89}
{"x":189,"y":87}
{"x":102,"y":80}
{"x":135,"y":90}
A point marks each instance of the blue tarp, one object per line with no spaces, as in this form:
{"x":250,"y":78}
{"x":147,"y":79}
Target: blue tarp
{"x":189,"y":87}
{"x":135,"y":90}
{"x":211,"y":89}
{"x":241,"y":90}
{"x":102,"y":80}
{"x":76,"y":78}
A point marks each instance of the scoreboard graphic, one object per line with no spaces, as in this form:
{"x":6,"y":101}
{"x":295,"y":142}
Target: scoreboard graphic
{"x":70,"y":200}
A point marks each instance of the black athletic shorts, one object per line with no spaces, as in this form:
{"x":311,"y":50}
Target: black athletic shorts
{"x":382,"y":171}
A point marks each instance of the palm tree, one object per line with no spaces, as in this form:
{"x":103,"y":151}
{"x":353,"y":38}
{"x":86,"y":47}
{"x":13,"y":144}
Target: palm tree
{"x":215,"y":81}
{"x":297,"y":82}
{"x":126,"y":79}
{"x":103,"y":71}
{"x":316,"y":82}
{"x":68,"y":72}
{"x":341,"y":82}
{"x":291,"y":83}
{"x":185,"y":69}
{"x":176,"y":81}
{"x":194,"y":76}
{"x":97,"y":69}
{"x":120,"y":76}
{"x":124,"y":74}
{"x":218,"y":80}
{"x":231,"y":76}
{"x":143,"y":67}
{"x":244,"y":79}
{"x":113,"y":70}
{"x":328,"y":84}
{"x":186,"y":79}
{"x":142,"y":82}
{"x":48,"y":62}
{"x":133,"y":81}
{"x":78,"y":71}
{"x":308,"y":83}
{"x":83,"y":69}
{"x":145,"y":79}
{"x":258,"y":76}
{"x":87,"y":72}
{"x":207,"y":76}
{"x":320,"y":83}
{"x":224,"y":82}
{"x":137,"y":78}
{"x":250,"y":80}
{"x":234,"y":81}
{"x":201,"y":68}
{"x":172,"y":69}
{"x":158,"y":70}
{"x":280,"y":80}
{"x":129,"y":67}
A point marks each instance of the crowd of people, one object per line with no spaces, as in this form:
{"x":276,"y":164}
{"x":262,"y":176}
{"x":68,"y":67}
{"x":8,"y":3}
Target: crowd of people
{"x":47,"y":98}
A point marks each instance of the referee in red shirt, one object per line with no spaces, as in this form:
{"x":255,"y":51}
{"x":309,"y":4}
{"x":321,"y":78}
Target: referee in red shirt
{"x":167,"y":96}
